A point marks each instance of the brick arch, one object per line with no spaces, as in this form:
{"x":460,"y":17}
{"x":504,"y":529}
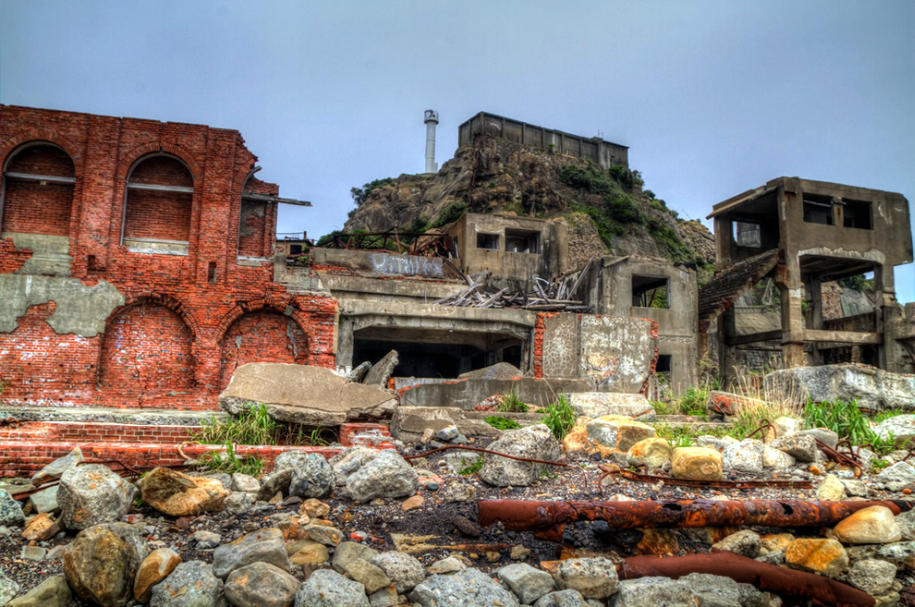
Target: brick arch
{"x":41,"y":135}
{"x":38,"y":207}
{"x":147,"y":347}
{"x":132,"y":157}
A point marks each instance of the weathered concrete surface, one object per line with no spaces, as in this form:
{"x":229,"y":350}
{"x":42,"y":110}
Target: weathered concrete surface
{"x":596,"y":404}
{"x":79,"y":310}
{"x":872,"y":388}
{"x":50,"y":254}
{"x":380,"y":372}
{"x":617,"y":352}
{"x":380,"y":264}
{"x":496,"y":371}
{"x":466,"y":393}
{"x":408,"y":423}
{"x":303,"y":394}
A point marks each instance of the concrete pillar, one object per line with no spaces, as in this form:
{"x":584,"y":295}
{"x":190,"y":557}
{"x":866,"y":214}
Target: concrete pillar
{"x":792,"y":294}
{"x":727,"y":330}
{"x":814,"y":316}
{"x":887,"y":315}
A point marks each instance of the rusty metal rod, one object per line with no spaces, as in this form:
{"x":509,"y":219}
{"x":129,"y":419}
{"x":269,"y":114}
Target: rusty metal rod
{"x":780,"y":580}
{"x":519,"y":515}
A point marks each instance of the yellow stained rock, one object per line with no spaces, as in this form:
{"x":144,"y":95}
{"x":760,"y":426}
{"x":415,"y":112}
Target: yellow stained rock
{"x":177,"y":494}
{"x":696,"y":463}
{"x":825,"y":556}
{"x":312,"y":553}
{"x":154,"y":568}
{"x":774,"y":542}
{"x":874,"y":525}
{"x":651,"y":452}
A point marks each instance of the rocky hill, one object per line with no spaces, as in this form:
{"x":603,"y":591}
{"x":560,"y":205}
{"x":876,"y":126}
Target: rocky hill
{"x":608,"y":212}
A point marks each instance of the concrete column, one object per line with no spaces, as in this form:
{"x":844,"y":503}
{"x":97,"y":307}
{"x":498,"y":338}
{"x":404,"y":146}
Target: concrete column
{"x":814,"y":316}
{"x":887,"y":315}
{"x":727,"y":330}
{"x":792,"y":295}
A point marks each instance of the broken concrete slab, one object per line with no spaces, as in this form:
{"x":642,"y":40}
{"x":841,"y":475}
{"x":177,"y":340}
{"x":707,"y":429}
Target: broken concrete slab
{"x":598,"y":404}
{"x":304,"y":394}
{"x":871,"y":387}
{"x":465,"y":393}
{"x":408,"y":423}
{"x":381,"y":371}
{"x":497,"y":371}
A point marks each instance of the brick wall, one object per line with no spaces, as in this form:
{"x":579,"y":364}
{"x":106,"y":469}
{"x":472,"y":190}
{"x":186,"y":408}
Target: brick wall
{"x":251,"y":233}
{"x":261,"y":337}
{"x":38,"y":207}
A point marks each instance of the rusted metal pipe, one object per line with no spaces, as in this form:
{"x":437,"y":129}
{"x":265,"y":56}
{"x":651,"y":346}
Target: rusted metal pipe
{"x":780,"y":580}
{"x":519,"y":515}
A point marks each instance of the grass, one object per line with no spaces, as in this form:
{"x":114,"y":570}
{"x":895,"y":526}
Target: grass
{"x":471,"y":468}
{"x":559,"y":417}
{"x":226,"y":461}
{"x":512,"y":403}
{"x":502,"y":423}
{"x":694,"y":402}
{"x":252,"y":426}
{"x":847,"y":420}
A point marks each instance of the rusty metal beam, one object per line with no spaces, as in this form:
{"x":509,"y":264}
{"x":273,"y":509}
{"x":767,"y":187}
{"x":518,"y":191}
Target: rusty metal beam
{"x":780,"y":580}
{"x":520,"y":515}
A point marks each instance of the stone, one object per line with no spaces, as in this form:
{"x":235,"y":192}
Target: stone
{"x":325,"y":534}
{"x":314,"y":477}
{"x":696,"y":463}
{"x":386,"y":597}
{"x":33,"y":553}
{"x":314,"y":508}
{"x":598,"y":404}
{"x":101,"y":563}
{"x":744,"y":457}
{"x":785,"y":425}
{"x":245,"y":482}
{"x":412,"y":503}
{"x":44,"y":500}
{"x":830,"y":438}
{"x":55,"y":469}
{"x":618,"y":432}
{"x":744,"y":543}
{"x":301,"y":394}
{"x":872,"y":388}
{"x":449,"y":564}
{"x":275,"y":482}
{"x":260,"y":585}
{"x":775,"y":459}
{"x":653,"y":453}
{"x":594,"y":578}
{"x":238,"y":501}
{"x":873,"y":525}
{"x":310,"y":553}
{"x":856,"y":488}
{"x":532,"y":441}
{"x":382,"y":370}
{"x":206,"y":539}
{"x":528,"y":583}
{"x":906,"y":522}
{"x":897,"y":477}
{"x":41,"y":527}
{"x":387,"y":475}
{"x":562,"y":598}
{"x":349,"y":460}
{"x":900,"y":427}
{"x":901,"y":554}
{"x":177,"y":494}
{"x":774,"y":542}
{"x":53,"y":592}
{"x":448,"y":433}
{"x":404,"y":570}
{"x":327,"y":588}
{"x":265,"y":545}
{"x":719,"y":443}
{"x":353,"y":559}
{"x":714,"y":590}
{"x":831,"y":488}
{"x":823,"y":556}
{"x":873,"y":576}
{"x":157,"y":565}
{"x":10,"y":510}
{"x":8,"y":588}
{"x":653,"y":592}
{"x":190,"y":584}
{"x":358,"y":373}
{"x":802,"y":447}
{"x":466,"y":588}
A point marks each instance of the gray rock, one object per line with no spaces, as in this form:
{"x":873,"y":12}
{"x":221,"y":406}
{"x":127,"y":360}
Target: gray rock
{"x":528,"y":583}
{"x":387,"y":475}
{"x":10,"y":510}
{"x":312,"y":478}
{"x":329,"y":536}
{"x":245,"y":482}
{"x":898,"y":553}
{"x":906,"y":522}
{"x":654,"y":591}
{"x":353,"y":559}
{"x":349,"y":460}
{"x":720,"y":591}
{"x":101,"y":563}
{"x":8,"y":589}
{"x":358,"y":373}
{"x":386,"y":597}
{"x":745,"y":543}
{"x":824,"y":434}
{"x":466,"y":588}
{"x":53,"y":592}
{"x":775,"y":459}
{"x":327,"y":588}
{"x":744,"y":457}
{"x":562,"y":598}
{"x":91,"y":494}
{"x":533,"y":441}
{"x":265,"y":545}
{"x":33,"y":553}
{"x":801,"y":447}
{"x":381,"y":371}
{"x":260,"y":585}
{"x":45,"y":500}
{"x":238,"y":501}
{"x":715,"y":442}
{"x":191,"y":584}
{"x":278,"y":480}
{"x":872,"y":388}
{"x":900,"y":427}
{"x":55,"y":469}
{"x":206,"y":539}
{"x":873,"y":576}
{"x":855,"y":488}
{"x":501,"y":370}
{"x":448,"y":433}
{"x":598,"y":404}
{"x":404,"y":570}
{"x":898,"y":476}
{"x":594,"y":578}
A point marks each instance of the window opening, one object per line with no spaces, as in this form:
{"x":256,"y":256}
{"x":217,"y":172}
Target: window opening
{"x":818,"y":209}
{"x":650,"y":292}
{"x":522,"y":241}
{"x":857,"y":214}
{"x":488,"y":241}
{"x":211,"y":272}
{"x":665,"y":363}
{"x":747,"y":234}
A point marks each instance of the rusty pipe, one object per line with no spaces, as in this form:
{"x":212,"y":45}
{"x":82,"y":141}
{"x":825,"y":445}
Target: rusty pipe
{"x":780,"y":580}
{"x":520,"y":515}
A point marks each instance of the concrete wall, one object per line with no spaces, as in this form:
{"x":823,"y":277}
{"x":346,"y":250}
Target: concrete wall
{"x":379,"y":264}
{"x":602,"y":153}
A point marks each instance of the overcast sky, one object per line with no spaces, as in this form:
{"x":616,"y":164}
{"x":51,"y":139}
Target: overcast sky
{"x":712,"y":98}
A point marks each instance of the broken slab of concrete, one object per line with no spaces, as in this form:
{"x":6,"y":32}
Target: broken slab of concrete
{"x":871,"y":387}
{"x":598,"y":404}
{"x":303,"y":394}
{"x":497,"y":371}
{"x":381,"y":371}
{"x":408,"y":423}
{"x":465,"y":393}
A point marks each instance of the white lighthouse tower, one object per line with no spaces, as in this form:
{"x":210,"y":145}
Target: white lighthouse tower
{"x":431,"y":119}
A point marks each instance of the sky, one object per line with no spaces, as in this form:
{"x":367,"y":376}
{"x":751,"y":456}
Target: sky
{"x":712,"y":97}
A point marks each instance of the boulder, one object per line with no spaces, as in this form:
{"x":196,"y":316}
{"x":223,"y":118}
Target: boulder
{"x":55,"y":469}
{"x":101,"y":564}
{"x":528,"y":583}
{"x":92,"y":494}
{"x":824,"y":556}
{"x":404,"y":570}
{"x":260,"y":585}
{"x":900,"y":427}
{"x":45,"y":500}
{"x":327,"y":588}
{"x":386,"y":475}
{"x":745,"y":457}
{"x":191,"y":584}
{"x":265,"y":545}
{"x":598,"y":404}
{"x":466,"y":588}
{"x":655,"y":591}
{"x":53,"y":592}
{"x":872,"y":388}
{"x":303,"y":394}
{"x":653,"y":453}
{"x":382,"y":370}
{"x":873,"y":576}
{"x":802,"y":447}
{"x":775,"y":459}
{"x":41,"y":527}
{"x":177,"y":494}
{"x":157,"y":566}
{"x":696,"y":463}
{"x":873,"y":525}
{"x":313,"y":477}
{"x":349,"y":460}
{"x":594,"y":578}
{"x":562,"y":598}
{"x":897,"y":477}
{"x":10,"y":510}
{"x":618,"y":432}
{"x":532,"y":441}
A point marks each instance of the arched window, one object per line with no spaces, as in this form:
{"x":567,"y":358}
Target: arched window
{"x":37,"y":191}
{"x":157,"y":209}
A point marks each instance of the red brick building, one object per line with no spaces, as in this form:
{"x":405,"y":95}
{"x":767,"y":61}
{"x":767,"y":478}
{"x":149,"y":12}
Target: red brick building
{"x":136,"y":264}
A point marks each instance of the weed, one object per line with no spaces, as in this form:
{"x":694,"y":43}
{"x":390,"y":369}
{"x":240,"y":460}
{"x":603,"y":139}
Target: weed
{"x":847,"y":420}
{"x":880,"y":464}
{"x":695,"y":402}
{"x":885,"y":415}
{"x":252,"y":426}
{"x":661,"y":407}
{"x":451,"y":213}
{"x":502,"y":423}
{"x":472,"y":468}
{"x":677,"y":436}
{"x":512,"y":403}
{"x":228,"y":462}
{"x":559,"y":417}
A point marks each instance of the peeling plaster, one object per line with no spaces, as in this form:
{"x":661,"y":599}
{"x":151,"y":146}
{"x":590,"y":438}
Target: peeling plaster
{"x":79,"y":310}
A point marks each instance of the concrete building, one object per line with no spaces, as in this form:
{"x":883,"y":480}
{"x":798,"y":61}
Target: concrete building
{"x":803,"y":233}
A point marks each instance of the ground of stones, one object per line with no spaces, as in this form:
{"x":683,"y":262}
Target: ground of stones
{"x":377,"y":520}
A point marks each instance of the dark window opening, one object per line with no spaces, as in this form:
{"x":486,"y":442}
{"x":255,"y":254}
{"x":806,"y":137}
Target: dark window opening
{"x":211,"y":271}
{"x":747,"y":234}
{"x":488,"y":241}
{"x":438,"y":360}
{"x":522,"y":241}
{"x":858,"y":214}
{"x":665,"y":363}
{"x":650,"y":292}
{"x":512,"y":355}
{"x":818,"y":209}
{"x":295,"y":249}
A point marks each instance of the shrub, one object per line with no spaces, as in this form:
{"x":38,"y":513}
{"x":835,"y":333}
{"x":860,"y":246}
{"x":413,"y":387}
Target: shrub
{"x":502,"y":423}
{"x":252,"y":426}
{"x":694,"y":402}
{"x":559,"y":417}
{"x":472,"y":468}
{"x":846,"y":420}
{"x":512,"y":403}
{"x":228,"y":462}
